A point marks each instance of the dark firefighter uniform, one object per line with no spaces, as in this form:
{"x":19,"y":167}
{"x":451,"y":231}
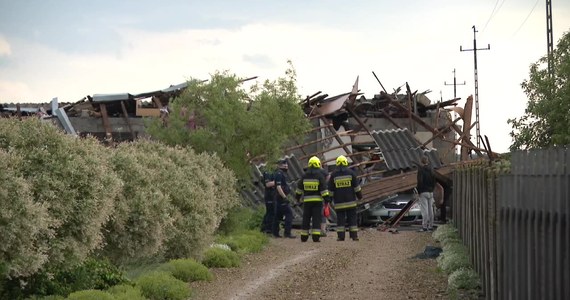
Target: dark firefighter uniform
{"x":282,"y":205}
{"x":269,"y":197}
{"x":344,"y":190}
{"x":312,"y":188}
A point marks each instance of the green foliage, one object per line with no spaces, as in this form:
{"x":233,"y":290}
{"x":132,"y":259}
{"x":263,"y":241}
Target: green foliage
{"x":246,"y":241}
{"x":126,"y":292}
{"x":188,"y":270}
{"x":219,"y":258}
{"x":172,"y":201}
{"x":220,"y":116}
{"x":161,"y":285}
{"x":463,"y":278}
{"x":446,"y":233}
{"x":92,"y":274}
{"x":452,"y":261}
{"x":90,"y":295}
{"x":240,"y":219}
{"x":67,"y":177}
{"x":138,"y":228}
{"x":23,"y":222}
{"x":546,"y":121}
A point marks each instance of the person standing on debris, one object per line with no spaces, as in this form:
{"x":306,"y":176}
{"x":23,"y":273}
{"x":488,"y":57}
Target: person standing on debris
{"x":344,"y":188}
{"x":425,"y":187}
{"x":282,"y":205}
{"x":312,"y":187}
{"x":269,"y":197}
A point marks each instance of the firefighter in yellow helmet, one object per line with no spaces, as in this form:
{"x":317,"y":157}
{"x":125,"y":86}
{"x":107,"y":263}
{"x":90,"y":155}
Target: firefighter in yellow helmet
{"x":312,"y":187}
{"x":344,"y":189}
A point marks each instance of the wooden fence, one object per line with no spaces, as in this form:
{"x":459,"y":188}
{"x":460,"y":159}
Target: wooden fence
{"x":516,"y":225}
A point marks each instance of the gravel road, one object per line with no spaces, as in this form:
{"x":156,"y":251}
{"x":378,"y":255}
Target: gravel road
{"x":379,"y":266}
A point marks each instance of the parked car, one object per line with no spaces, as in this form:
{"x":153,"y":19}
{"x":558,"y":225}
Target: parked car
{"x":389,"y":207}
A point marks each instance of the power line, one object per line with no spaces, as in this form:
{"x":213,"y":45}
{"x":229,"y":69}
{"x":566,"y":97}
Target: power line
{"x":491,"y":16}
{"x":525,"y":19}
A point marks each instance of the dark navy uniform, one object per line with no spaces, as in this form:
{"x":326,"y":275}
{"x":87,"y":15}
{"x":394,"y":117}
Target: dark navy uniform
{"x":344,"y":190}
{"x":269,"y":198}
{"x":312,"y":187}
{"x":282,"y":205}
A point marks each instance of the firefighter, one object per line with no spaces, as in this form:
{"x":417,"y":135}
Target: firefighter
{"x":344,"y":190}
{"x":282,"y":205}
{"x":312,"y":188}
{"x":269,"y":198}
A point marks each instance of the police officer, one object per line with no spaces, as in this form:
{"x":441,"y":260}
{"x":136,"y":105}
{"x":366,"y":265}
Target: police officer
{"x":282,"y":205}
{"x":312,"y":187}
{"x":269,"y":198}
{"x":344,"y":189}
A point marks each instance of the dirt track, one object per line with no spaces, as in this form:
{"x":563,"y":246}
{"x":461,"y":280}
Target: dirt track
{"x":379,"y":266}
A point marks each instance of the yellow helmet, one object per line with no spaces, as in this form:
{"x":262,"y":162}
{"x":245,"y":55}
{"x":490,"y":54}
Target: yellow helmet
{"x":342,"y":161}
{"x":314,"y":162}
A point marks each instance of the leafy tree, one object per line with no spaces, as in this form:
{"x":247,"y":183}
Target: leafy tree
{"x":220,"y":116}
{"x":546,"y":121}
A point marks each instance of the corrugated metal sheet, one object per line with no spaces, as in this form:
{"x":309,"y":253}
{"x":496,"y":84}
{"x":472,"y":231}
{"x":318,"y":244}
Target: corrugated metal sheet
{"x":401,"y":150}
{"x":111,"y":97}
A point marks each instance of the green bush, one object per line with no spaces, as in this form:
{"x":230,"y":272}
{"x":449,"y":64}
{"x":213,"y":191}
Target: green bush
{"x":126,"y":292}
{"x":220,"y":258}
{"x":161,"y":285}
{"x":68,"y":177}
{"x":24,"y":223}
{"x":463,"y":278}
{"x":446,"y":232}
{"x":90,"y":295}
{"x":50,"y":297}
{"x":240,"y":219}
{"x":245,"y":242}
{"x":188,"y":270}
{"x":450,"y":262}
{"x":201,"y":191}
{"x":92,"y":274}
{"x":139,"y":227}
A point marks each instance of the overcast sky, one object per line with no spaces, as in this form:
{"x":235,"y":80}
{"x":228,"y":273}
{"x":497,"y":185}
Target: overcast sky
{"x":71,"y":48}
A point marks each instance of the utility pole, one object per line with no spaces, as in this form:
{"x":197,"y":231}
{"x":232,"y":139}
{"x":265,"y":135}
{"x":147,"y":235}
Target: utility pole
{"x":476,"y":81}
{"x":455,"y":84}
{"x":549,"y":38}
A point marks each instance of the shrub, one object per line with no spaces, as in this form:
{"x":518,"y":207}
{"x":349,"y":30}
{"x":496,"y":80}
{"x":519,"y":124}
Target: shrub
{"x":446,"y":232}
{"x":24,"y":223}
{"x":67,"y":176}
{"x":126,"y":292}
{"x":92,"y":274}
{"x":240,"y":219}
{"x":220,"y":258}
{"x":161,"y":285}
{"x":201,"y":191}
{"x":449,"y":262}
{"x":90,"y":295}
{"x":138,"y":228}
{"x":463,"y":278}
{"x":188,"y":270}
{"x":247,"y":241}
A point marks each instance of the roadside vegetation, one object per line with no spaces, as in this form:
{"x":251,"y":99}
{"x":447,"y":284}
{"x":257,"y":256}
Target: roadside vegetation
{"x":463,"y":281}
{"x":140,"y":220}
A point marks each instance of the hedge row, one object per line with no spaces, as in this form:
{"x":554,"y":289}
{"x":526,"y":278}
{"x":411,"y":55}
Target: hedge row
{"x":65,"y":199}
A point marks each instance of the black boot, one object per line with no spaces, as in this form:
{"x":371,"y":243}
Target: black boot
{"x":304,"y":238}
{"x":316,"y":238}
{"x":340,"y":236}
